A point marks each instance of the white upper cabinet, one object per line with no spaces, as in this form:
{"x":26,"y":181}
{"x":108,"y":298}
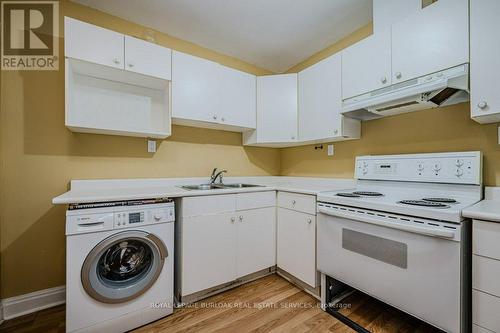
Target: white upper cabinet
{"x":386,"y":12}
{"x":207,"y":94}
{"x":435,"y":38}
{"x":485,"y":60}
{"x":276,"y":110}
{"x":366,"y":65}
{"x":94,"y":44}
{"x":237,"y":98}
{"x":320,"y":102}
{"x":195,"y":89}
{"x":147,"y":58}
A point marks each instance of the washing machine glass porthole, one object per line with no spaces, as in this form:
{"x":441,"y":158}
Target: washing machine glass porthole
{"x":123,"y":266}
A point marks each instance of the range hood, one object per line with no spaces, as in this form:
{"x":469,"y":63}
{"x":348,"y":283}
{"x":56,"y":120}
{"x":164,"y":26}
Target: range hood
{"x":447,"y":87}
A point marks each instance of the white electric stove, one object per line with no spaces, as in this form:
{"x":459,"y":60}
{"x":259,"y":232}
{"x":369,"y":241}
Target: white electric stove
{"x":399,"y":234}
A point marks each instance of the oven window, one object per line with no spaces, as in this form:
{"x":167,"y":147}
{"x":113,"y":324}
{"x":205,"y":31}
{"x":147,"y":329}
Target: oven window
{"x":378,"y":248}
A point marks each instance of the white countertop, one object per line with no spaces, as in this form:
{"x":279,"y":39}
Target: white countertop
{"x":488,"y":209}
{"x":84,"y":191}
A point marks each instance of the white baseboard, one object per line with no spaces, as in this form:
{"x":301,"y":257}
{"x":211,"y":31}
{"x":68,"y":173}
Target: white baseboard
{"x":28,"y":303}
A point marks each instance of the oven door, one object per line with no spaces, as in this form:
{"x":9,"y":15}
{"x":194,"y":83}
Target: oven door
{"x":408,"y":269}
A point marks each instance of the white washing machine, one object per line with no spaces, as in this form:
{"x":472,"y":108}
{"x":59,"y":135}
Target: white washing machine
{"x":119,"y":264}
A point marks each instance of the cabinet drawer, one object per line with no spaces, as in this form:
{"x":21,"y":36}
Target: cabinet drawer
{"x":299,"y":202}
{"x":246,"y":201}
{"x":485,"y":271}
{"x":210,"y":204}
{"x":485,"y":310}
{"x":485,"y":237}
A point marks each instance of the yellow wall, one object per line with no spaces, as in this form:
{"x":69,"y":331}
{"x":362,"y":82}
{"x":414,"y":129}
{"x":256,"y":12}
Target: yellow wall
{"x":39,"y":156}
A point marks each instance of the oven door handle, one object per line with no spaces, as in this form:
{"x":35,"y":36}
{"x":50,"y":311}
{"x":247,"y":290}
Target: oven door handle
{"x":371,"y":220}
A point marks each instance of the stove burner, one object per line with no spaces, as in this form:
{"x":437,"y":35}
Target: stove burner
{"x":441,"y":200}
{"x":424,"y":203}
{"x":348,"y":195}
{"x":368,"y":193}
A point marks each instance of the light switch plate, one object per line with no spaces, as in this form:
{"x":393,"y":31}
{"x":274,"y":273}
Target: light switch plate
{"x":151,"y":146}
{"x":331,"y":150}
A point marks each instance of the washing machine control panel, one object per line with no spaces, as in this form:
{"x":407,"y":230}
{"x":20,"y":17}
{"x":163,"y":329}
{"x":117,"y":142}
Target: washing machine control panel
{"x":143,"y":216}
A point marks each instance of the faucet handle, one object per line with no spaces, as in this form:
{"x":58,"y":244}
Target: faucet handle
{"x":213,"y":173}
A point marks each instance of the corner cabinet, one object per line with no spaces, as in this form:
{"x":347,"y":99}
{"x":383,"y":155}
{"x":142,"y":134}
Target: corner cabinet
{"x":207,"y":94}
{"x":320,"y":104}
{"x":115,"y":84}
{"x":485,"y":61}
{"x":276,"y":112}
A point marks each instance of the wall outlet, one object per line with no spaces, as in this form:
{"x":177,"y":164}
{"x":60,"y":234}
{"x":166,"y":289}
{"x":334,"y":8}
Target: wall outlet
{"x":331,"y":150}
{"x":151,"y":146}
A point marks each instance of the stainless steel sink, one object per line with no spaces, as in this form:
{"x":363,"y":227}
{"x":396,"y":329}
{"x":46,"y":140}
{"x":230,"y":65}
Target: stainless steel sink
{"x":204,"y":187}
{"x":240,"y":185}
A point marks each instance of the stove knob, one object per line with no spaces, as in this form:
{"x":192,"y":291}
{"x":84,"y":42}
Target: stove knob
{"x":437,"y":167}
{"x":157,"y":216}
{"x":459,"y":163}
{"x":420,"y":167}
{"x":365,"y":171}
{"x":459,"y":172}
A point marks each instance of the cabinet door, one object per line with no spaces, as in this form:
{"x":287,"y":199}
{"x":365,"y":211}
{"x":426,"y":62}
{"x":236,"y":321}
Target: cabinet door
{"x":238,"y":98}
{"x":484,"y":58}
{"x":366,"y":65}
{"x":277,"y":108}
{"x":147,"y":58}
{"x":92,"y":43}
{"x":195,"y":89}
{"x":256,"y":240}
{"x":435,"y":38}
{"x":296,"y":245}
{"x":320,"y":100}
{"x":387,"y":12}
{"x":209,"y":247}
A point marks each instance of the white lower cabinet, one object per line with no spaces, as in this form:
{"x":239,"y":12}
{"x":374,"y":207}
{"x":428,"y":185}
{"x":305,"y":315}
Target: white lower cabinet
{"x":485,"y":269}
{"x":217,"y":243}
{"x":208,"y":251}
{"x":256,"y":240}
{"x":296,"y":245}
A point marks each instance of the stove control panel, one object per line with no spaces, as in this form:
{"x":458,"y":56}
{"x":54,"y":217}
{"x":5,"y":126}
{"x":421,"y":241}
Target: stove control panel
{"x":455,"y":168}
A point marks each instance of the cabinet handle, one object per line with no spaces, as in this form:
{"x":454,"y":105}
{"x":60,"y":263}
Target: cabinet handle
{"x":130,"y":65}
{"x":399,"y":75}
{"x":309,"y":221}
{"x":336,"y":132}
{"x":223,"y":119}
{"x":293,"y":137}
{"x":241,"y":218}
{"x":294,"y":202}
{"x":383,"y":80}
{"x":482,"y":105}
{"x":233,"y":219}
{"x":116,"y":61}
{"x":214,"y":116}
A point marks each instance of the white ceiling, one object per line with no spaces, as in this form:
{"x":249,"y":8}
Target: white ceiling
{"x":271,"y":34}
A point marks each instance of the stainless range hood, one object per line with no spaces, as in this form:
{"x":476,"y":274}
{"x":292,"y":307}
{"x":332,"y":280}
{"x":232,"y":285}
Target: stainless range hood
{"x":447,"y":87}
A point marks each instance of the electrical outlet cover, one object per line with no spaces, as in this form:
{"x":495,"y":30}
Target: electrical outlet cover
{"x":331,"y":151}
{"x":151,"y":146}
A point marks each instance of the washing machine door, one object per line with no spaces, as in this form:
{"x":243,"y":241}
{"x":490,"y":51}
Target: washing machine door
{"x":123,"y":266}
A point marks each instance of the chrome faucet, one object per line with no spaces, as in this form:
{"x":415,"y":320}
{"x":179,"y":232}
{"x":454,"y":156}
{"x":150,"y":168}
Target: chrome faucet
{"x":216,"y":175}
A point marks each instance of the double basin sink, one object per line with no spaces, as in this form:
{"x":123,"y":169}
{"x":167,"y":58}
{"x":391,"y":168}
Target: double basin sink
{"x":217,"y":186}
